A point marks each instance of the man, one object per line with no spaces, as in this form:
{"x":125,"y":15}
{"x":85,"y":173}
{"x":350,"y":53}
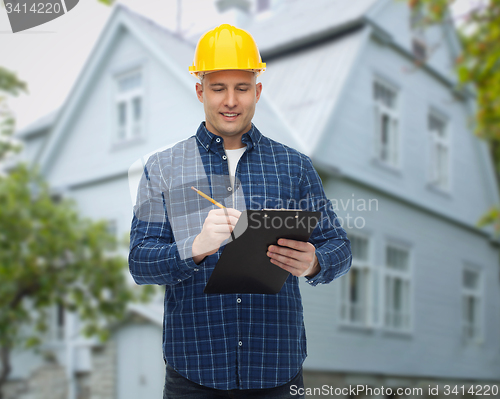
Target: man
{"x":229,"y":345}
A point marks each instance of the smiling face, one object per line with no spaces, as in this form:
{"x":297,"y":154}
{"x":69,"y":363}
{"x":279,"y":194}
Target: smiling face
{"x":229,"y":99}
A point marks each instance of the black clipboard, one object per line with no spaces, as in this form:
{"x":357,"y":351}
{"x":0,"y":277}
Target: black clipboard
{"x":244,"y":266}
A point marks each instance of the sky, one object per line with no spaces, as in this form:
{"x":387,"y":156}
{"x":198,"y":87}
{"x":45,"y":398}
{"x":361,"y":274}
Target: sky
{"x":50,"y":57}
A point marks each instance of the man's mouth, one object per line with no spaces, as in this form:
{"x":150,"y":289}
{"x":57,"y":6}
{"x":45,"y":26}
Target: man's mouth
{"x":229,"y":116}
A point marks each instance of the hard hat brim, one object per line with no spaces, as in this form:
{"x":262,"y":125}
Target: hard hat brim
{"x":198,"y":73}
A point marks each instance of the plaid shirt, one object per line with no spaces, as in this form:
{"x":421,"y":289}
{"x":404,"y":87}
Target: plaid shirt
{"x":228,"y":341}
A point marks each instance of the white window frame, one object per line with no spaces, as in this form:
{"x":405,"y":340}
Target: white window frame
{"x":381,"y":111}
{"x":477,"y":294}
{"x":365,"y":268}
{"x":127,"y":97}
{"x":439,"y":170}
{"x":405,"y":276}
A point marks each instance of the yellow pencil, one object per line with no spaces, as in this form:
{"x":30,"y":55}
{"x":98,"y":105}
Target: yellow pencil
{"x":208,"y":198}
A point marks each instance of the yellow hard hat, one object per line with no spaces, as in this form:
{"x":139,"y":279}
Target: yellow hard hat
{"x":226,"y":47}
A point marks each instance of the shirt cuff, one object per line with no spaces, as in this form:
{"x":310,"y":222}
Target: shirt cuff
{"x":320,"y":277}
{"x":185,"y":262}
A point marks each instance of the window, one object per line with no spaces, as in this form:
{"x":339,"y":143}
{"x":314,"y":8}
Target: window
{"x":129,"y":105}
{"x":60,"y":322}
{"x":471,"y":305}
{"x":439,"y":152}
{"x":386,"y":124}
{"x":56,"y":322}
{"x":355,"y":285}
{"x":397,"y":289}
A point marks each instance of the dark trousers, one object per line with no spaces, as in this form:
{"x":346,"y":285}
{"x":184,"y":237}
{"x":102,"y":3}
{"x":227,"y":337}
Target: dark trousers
{"x":178,"y":387}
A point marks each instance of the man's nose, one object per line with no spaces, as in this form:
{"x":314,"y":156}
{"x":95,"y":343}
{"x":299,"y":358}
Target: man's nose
{"x":231,"y":100}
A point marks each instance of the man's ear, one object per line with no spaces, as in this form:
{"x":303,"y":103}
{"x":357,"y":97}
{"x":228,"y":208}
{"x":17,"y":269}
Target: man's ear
{"x":258,"y":90}
{"x":199,"y":92}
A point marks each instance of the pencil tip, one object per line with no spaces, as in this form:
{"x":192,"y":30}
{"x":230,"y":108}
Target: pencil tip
{"x":194,"y":188}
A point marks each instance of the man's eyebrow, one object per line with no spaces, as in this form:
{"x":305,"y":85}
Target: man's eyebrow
{"x":224,"y":85}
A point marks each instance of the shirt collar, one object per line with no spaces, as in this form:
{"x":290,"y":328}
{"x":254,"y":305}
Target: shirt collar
{"x":206,"y":138}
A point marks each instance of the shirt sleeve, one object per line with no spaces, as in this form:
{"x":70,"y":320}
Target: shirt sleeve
{"x":155,"y":257}
{"x":333,"y":248}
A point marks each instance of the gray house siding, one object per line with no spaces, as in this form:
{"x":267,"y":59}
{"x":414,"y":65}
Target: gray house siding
{"x":435,"y":345}
{"x":437,"y":227}
{"x":109,"y":199}
{"x":140,"y":370}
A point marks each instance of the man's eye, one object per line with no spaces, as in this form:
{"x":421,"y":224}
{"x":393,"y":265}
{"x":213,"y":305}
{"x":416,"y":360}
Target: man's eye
{"x":243,"y":89}
{"x":218,"y":90}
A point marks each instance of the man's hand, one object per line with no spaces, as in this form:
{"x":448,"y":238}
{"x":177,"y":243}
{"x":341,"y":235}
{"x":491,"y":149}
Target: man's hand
{"x":216,"y":228}
{"x":298,"y":258}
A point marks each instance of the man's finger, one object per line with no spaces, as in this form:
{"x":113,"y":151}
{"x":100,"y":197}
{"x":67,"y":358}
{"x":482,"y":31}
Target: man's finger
{"x":227,"y":211}
{"x":290,"y":253}
{"x":294,"y":262}
{"x":297,"y":245}
{"x":226,"y":220}
{"x":222,"y":228}
{"x":289,"y":268}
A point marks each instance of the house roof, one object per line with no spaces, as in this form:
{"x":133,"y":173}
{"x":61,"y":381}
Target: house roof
{"x":294,"y":112}
{"x":178,"y":48}
{"x":40,"y":125}
{"x":323,"y":17}
{"x":322,"y":72}
{"x":173,"y":53}
{"x":292,"y":25}
{"x":143,"y":30}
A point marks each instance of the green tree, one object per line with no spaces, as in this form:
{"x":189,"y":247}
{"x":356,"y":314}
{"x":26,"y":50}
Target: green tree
{"x":50,"y":256}
{"x":477,"y":65}
{"x":9,"y":85}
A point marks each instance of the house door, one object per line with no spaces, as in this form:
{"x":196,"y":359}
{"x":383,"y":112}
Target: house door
{"x":140,"y":367}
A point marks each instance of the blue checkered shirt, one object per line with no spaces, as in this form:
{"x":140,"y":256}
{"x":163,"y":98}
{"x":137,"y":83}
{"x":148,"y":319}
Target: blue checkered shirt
{"x":228,"y":341}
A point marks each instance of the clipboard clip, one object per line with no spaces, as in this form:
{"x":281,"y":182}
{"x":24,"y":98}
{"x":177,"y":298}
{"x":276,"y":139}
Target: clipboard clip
{"x":282,"y":209}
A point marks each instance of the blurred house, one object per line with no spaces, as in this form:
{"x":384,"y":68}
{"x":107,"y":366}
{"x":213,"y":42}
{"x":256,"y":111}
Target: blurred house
{"x":371,"y":97}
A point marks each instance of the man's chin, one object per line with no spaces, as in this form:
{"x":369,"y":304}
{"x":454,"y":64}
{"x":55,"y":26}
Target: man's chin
{"x":231,"y":132}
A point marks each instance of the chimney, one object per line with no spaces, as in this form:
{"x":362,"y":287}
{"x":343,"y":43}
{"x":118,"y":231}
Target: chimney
{"x":234,"y":12}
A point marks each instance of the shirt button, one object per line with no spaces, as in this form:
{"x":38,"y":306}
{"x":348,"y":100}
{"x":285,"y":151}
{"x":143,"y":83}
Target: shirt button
{"x":229,"y":189}
{"x":179,"y":280}
{"x":195,"y":270}
{"x":218,"y":140}
{"x":240,"y":343}
{"x":208,"y":145}
{"x":224,"y":157}
{"x":238,"y":300}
